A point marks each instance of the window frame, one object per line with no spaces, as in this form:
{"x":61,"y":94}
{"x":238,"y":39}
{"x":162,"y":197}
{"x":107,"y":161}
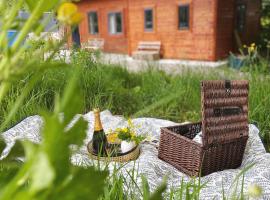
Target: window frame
{"x":89,"y":22}
{"x":188,"y":5}
{"x":153,"y":20}
{"x":245,"y":18}
{"x":122,"y":22}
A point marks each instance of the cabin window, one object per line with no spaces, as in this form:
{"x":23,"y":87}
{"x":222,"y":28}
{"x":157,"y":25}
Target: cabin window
{"x":241,"y":17}
{"x":148,"y":19}
{"x":115,"y":23}
{"x":183,"y":17}
{"x":93,"y":23}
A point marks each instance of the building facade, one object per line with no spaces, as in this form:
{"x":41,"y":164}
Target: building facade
{"x":187,"y":29}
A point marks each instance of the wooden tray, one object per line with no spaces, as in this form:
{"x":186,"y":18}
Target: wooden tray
{"x":115,"y":156}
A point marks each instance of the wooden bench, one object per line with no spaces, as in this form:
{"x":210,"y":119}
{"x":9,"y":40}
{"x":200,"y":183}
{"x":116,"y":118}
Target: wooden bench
{"x":147,"y":51}
{"x":94,"y":44}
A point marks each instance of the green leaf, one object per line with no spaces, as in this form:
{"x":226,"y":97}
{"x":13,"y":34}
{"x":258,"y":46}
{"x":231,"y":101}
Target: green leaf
{"x":31,"y":4}
{"x":56,"y":139}
{"x":157,"y":195}
{"x":55,"y":145}
{"x":30,"y":150}
{"x":145,"y":187}
{"x":20,"y":180}
{"x":84,"y":184}
{"x":41,"y":180}
{"x":77,"y":133}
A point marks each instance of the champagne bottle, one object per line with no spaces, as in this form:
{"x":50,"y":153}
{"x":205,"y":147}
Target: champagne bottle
{"x":99,"y":137}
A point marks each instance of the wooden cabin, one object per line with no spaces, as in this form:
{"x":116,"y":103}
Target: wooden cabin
{"x":187,"y":29}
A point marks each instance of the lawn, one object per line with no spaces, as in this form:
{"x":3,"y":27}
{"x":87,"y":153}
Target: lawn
{"x":150,"y":93}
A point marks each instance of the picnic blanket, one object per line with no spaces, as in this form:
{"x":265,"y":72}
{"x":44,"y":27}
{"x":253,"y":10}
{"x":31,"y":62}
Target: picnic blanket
{"x":148,"y":162}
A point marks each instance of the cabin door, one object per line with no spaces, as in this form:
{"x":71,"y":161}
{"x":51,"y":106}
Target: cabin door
{"x":76,"y":39}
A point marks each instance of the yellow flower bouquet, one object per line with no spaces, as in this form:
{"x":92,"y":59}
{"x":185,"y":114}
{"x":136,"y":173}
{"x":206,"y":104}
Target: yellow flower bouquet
{"x":124,"y":139}
{"x":125,"y":134}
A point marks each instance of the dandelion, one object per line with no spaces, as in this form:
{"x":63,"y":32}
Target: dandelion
{"x":68,"y":13}
{"x":251,"y":48}
{"x":254,"y":191}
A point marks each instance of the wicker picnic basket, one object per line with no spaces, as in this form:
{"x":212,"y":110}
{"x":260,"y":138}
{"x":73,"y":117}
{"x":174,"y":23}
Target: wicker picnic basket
{"x":224,"y":129}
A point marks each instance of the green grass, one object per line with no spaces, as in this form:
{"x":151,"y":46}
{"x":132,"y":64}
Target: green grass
{"x":151,"y":93}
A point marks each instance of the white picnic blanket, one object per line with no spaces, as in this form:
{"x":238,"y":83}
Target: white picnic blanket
{"x":148,"y":162}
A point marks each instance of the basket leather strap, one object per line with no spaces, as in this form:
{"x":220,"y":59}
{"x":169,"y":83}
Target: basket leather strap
{"x":228,"y":87}
{"x":218,"y":112}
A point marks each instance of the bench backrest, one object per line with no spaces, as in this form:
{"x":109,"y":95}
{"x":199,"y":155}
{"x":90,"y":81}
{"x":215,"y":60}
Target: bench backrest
{"x":149,"y":46}
{"x":96,"y":42}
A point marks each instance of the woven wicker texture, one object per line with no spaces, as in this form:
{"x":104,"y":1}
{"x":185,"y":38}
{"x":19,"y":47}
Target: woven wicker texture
{"x":133,"y":155}
{"x":215,"y":96}
{"x":224,"y":130}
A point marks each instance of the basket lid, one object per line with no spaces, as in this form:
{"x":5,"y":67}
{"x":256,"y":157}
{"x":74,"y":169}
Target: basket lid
{"x":224,"y":110}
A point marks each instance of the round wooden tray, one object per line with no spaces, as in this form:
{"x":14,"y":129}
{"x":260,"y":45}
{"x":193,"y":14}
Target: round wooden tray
{"x":120,"y":157}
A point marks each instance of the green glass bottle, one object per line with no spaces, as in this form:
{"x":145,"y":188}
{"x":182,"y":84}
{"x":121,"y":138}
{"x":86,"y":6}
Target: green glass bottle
{"x":99,"y":137}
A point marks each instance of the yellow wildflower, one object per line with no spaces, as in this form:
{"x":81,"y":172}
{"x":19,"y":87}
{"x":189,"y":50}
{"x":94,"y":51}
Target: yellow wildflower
{"x":251,"y":48}
{"x":68,"y":13}
{"x":253,"y":45}
{"x":112,"y":138}
{"x":254,"y":191}
{"x":245,"y":46}
{"x":125,"y":130}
